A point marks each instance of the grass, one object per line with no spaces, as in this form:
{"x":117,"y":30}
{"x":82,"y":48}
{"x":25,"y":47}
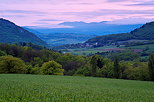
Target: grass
{"x":45,"y":88}
{"x":87,"y":51}
{"x":150,"y":46}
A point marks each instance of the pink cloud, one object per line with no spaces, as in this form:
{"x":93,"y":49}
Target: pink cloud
{"x":59,"y":11}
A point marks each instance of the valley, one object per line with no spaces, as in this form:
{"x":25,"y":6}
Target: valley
{"x":139,"y":41}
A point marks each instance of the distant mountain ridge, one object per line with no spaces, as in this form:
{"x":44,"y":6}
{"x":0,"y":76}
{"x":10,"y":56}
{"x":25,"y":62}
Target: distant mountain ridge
{"x":11,"y":33}
{"x":93,"y":28}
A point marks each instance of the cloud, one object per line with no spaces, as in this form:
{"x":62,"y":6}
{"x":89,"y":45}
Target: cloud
{"x":17,"y":16}
{"x":49,"y":25}
{"x":132,"y":21}
{"x":149,"y":3}
{"x":52,"y":12}
{"x":111,"y":12}
{"x":115,"y":0}
{"x":49,"y":20}
{"x":123,"y":0}
{"x":128,"y":0}
{"x":22,"y":11}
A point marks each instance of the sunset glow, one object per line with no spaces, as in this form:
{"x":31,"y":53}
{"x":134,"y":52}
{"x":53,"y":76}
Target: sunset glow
{"x":50,"y":13}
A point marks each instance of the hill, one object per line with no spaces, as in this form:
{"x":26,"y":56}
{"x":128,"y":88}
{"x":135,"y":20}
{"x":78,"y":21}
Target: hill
{"x":11,"y":33}
{"x":47,"y":88}
{"x":143,"y":34}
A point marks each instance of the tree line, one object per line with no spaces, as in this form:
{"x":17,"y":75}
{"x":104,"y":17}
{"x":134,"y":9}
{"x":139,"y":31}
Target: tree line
{"x":32,"y":60}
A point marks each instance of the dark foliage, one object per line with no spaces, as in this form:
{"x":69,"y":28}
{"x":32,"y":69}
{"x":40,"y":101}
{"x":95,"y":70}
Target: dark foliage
{"x":151,"y":67}
{"x":116,"y":68}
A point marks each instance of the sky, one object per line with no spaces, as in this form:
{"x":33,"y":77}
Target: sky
{"x":49,"y":13}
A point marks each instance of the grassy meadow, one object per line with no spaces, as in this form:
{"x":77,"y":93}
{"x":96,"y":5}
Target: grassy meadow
{"x":87,"y":51}
{"x":150,"y":46}
{"x":47,"y":88}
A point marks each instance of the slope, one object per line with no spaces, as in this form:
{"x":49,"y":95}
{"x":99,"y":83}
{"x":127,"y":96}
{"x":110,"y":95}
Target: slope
{"x":11,"y":33}
{"x":146,"y":32}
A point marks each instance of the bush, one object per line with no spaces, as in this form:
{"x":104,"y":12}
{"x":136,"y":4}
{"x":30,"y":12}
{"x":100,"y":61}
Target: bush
{"x":9,"y":64}
{"x":36,"y":70}
{"x":138,"y":71}
{"x":52,"y":68}
{"x":84,"y":71}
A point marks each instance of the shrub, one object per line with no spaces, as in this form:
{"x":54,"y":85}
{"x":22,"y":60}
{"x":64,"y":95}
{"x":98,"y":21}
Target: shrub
{"x":52,"y":68}
{"x":138,"y":71}
{"x":9,"y":64}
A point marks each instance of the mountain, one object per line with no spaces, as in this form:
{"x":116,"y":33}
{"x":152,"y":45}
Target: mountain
{"x":146,"y":32}
{"x":11,"y":33}
{"x":93,"y":28}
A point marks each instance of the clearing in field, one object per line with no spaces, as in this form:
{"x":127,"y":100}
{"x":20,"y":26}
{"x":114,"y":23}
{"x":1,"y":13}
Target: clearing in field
{"x":46,"y":88}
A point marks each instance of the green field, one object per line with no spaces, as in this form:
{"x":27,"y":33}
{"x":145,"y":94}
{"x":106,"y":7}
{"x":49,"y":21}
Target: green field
{"x":45,"y":88}
{"x":87,"y":51}
{"x":150,"y":46}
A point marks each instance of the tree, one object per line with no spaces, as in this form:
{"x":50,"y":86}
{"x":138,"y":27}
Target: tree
{"x":9,"y":64}
{"x":137,"y":71}
{"x":37,"y":61}
{"x":71,"y":63}
{"x":151,"y":67}
{"x":116,"y":68}
{"x":84,"y":70}
{"x":96,"y":62}
{"x":52,"y":68}
{"x":107,"y":70}
{"x":2,"y":53}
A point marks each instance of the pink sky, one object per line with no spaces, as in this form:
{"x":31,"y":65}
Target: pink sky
{"x":49,"y":13}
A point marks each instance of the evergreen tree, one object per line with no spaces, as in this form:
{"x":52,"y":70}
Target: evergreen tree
{"x":96,"y":62}
{"x":94,"y":65}
{"x":151,"y":67}
{"x":116,"y":68}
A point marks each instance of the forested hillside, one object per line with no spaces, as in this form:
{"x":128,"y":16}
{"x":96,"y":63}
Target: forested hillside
{"x":11,"y":33}
{"x":146,"y":32}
